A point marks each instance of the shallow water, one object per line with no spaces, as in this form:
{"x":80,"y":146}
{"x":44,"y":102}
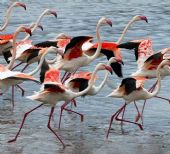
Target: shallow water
{"x":79,"y":17}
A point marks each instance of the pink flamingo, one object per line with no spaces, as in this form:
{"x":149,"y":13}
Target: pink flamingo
{"x":132,"y":89}
{"x":54,"y":91}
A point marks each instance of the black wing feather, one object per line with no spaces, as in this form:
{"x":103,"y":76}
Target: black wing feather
{"x":130,"y":85}
{"x":130,"y":45}
{"x":46,"y":44}
{"x":44,"y":68}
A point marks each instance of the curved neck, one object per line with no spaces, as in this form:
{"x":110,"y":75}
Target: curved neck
{"x":125,"y":30}
{"x":97,"y":53}
{"x":41,"y":61}
{"x":98,"y":88}
{"x":90,"y":84}
{"x":36,"y":24}
{"x":10,"y":65}
{"x":7,"y":16}
{"x":158,"y":83}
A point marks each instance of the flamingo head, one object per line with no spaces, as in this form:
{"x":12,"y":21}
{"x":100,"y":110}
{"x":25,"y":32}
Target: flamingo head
{"x":27,"y":30}
{"x":51,"y":12}
{"x":105,"y":67}
{"x":139,"y":17}
{"x":104,"y":21}
{"x":20,"y":4}
{"x":63,"y":36}
{"x":115,"y":59}
{"x":39,"y":26}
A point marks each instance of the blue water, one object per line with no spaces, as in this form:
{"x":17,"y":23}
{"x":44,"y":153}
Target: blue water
{"x":77,"y":17}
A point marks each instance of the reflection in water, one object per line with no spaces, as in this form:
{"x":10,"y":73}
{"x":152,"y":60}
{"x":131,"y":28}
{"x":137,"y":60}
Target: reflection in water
{"x":79,"y":18}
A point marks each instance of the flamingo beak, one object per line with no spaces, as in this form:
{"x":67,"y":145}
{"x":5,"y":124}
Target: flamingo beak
{"x":22,"y":5}
{"x":27,"y":30}
{"x":41,"y":27}
{"x":144,"y":18}
{"x":54,"y":13}
{"x":109,"y":22}
{"x":109,"y":69}
{"x":120,"y":61}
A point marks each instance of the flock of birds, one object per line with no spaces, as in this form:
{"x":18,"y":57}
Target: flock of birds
{"x":72,"y":53}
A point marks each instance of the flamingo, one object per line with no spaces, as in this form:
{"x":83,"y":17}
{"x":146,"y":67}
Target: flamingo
{"x":79,"y":81}
{"x":54,"y":91}
{"x":8,"y":13}
{"x":74,"y":57}
{"x":11,"y":78}
{"x":109,"y":49}
{"x":44,"y":13}
{"x":9,"y":66}
{"x":147,"y":62}
{"x":131,"y":89}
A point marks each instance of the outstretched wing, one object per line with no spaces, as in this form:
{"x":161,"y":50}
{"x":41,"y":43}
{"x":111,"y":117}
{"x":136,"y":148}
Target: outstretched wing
{"x":153,"y":61}
{"x":74,"y":48}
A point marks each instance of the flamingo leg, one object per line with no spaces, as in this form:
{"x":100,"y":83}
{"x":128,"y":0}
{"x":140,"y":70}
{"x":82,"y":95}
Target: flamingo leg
{"x":16,"y":66}
{"x":112,"y":118}
{"x":24,"y":67}
{"x":163,"y":98}
{"x":81,"y":115}
{"x":74,"y":102}
{"x":49,"y":127}
{"x":118,"y":119}
{"x":64,"y":76}
{"x":61,"y":112}
{"x":23,"y":121}
{"x":123,"y":116}
{"x":22,"y":90}
{"x":139,"y":115}
{"x":13,"y":104}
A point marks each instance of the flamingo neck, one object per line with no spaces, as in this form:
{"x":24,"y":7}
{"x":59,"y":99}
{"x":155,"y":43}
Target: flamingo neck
{"x":7,"y":16}
{"x":125,"y":30}
{"x":42,"y":60}
{"x":12,"y":61}
{"x":97,"y":53}
{"x":36,"y":25}
{"x":90,"y":84}
{"x":98,"y":88}
{"x":158,"y":84}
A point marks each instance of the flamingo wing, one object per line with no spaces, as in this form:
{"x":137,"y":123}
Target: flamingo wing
{"x":44,"y":68}
{"x":140,"y":81}
{"x":7,"y":73}
{"x":129,"y":84}
{"x":31,"y":53}
{"x":74,"y":48}
{"x":54,"y":87}
{"x":3,"y":42}
{"x":52,"y":75}
{"x":153,"y":61}
{"x":46,"y":44}
{"x":62,"y":43}
{"x":24,"y":77}
{"x":131,"y":45}
{"x":6,"y":36}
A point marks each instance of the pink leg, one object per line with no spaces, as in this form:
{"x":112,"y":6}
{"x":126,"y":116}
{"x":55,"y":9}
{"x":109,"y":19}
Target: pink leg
{"x":49,"y":127}
{"x":163,"y":98}
{"x":61,"y":112}
{"x":138,"y":116}
{"x":64,"y":76}
{"x":123,"y":116}
{"x":74,"y":102}
{"x":117,"y":118}
{"x":23,"y":121}
{"x":112,"y":118}
{"x":13,"y":104}
{"x":17,"y":66}
{"x":81,"y":115}
{"x":22,"y":90}
{"x":24,"y":67}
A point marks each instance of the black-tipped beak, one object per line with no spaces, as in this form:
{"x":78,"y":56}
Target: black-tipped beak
{"x":22,"y":5}
{"x":109,"y":22}
{"x":109,"y":68}
{"x":144,"y":18}
{"x":41,"y":27}
{"x":27,"y":30}
{"x":54,"y":13}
